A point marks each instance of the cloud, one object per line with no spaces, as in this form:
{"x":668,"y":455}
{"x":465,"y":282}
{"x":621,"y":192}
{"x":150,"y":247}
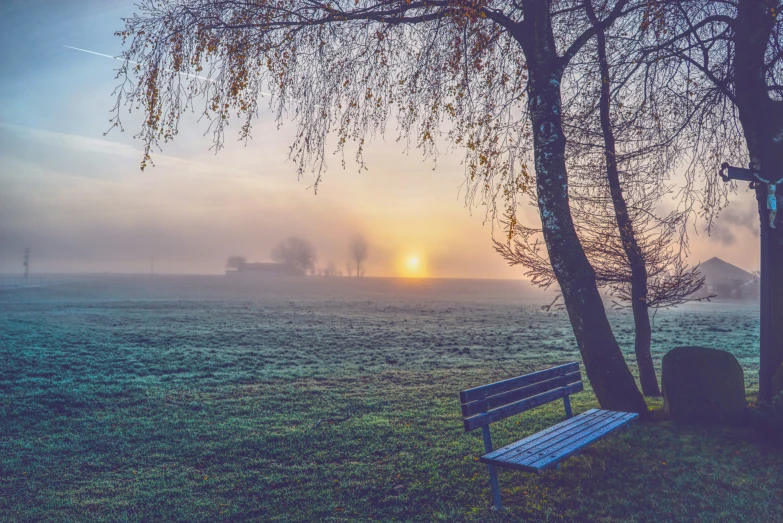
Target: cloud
{"x":72,"y":141}
{"x":735,"y":222}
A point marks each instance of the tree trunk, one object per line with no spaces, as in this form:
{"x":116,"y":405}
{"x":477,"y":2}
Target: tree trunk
{"x":642,"y":343}
{"x":762,"y":123}
{"x":641,"y":316}
{"x":605,"y":366}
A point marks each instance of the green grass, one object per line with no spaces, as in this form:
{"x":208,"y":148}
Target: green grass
{"x":190,"y":412}
{"x":254,"y":452}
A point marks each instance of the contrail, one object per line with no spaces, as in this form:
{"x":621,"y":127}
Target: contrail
{"x":93,"y":52}
{"x":132,"y":62}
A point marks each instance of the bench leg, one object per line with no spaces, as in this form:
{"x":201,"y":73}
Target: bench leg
{"x":567,"y":405}
{"x":493,"y":480}
{"x":493,"y":473}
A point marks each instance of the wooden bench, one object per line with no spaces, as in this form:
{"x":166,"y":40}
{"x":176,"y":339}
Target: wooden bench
{"x":487,"y":404}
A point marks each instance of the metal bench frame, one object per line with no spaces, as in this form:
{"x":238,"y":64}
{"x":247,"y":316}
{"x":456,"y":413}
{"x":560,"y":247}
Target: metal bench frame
{"x":487,"y":404}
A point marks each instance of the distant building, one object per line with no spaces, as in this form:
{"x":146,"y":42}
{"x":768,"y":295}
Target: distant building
{"x":267,"y":270}
{"x":725,"y":280}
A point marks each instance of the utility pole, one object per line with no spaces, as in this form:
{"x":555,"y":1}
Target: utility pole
{"x":26,"y":263}
{"x":152,"y":266}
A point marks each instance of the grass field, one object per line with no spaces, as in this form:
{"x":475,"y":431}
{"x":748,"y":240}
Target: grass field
{"x":194,"y":399}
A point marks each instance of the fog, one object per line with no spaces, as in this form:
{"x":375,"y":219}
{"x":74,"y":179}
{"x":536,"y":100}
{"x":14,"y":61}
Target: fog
{"x":78,"y":200}
{"x":84,"y":206}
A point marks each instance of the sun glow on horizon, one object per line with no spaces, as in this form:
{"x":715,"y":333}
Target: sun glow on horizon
{"x":412,"y":266}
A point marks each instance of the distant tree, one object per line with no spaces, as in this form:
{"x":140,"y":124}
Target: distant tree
{"x":296,"y":252}
{"x":236,"y":262}
{"x":330,"y":269}
{"x":349,"y":268}
{"x":358,"y":250}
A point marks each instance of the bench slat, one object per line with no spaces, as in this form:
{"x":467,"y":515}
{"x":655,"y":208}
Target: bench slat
{"x":491,"y":402}
{"x":555,"y":428}
{"x":540,"y":445}
{"x":511,"y":409}
{"x":550,"y":447}
{"x":596,"y":425}
{"x":478,"y":393}
{"x":573,"y":447}
{"x":547,"y":437}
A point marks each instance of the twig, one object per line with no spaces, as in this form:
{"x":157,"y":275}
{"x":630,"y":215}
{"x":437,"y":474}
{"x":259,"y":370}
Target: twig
{"x":526,"y":366}
{"x":333,"y":420}
{"x":548,"y":308}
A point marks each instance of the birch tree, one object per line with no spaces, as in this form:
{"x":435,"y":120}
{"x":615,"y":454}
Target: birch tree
{"x":483,"y":75}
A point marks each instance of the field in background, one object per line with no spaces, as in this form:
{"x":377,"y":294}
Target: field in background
{"x":202,"y":399}
{"x":15,"y":281}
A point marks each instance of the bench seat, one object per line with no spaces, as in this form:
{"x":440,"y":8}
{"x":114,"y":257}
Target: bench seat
{"x":547,"y":448}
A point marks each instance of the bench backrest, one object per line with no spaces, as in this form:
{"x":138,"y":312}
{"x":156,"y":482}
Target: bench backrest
{"x":496,"y":401}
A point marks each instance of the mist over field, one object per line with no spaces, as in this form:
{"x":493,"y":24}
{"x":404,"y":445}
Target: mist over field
{"x":183,"y":328}
{"x":216,"y":330}
{"x":197,"y":397}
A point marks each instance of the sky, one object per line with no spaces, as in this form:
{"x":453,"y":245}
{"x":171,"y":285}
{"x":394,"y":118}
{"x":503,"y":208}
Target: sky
{"x":78,"y":200}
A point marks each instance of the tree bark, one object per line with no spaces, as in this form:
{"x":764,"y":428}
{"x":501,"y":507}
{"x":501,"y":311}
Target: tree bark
{"x":605,"y":366}
{"x":639,"y":303}
{"x":642,"y":344}
{"x":762,"y":123}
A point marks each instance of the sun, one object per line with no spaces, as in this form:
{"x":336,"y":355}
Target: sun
{"x":411,"y":266}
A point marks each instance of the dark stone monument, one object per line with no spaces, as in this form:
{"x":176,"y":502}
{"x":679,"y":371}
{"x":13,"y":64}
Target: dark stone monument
{"x":704,"y":386}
